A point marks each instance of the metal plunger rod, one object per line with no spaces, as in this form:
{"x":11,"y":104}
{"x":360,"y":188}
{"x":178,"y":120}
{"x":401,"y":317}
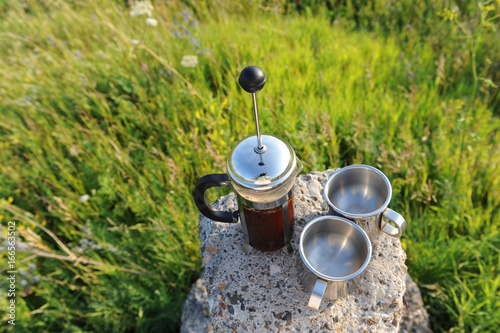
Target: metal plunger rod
{"x":257,"y":125}
{"x":253,"y":79}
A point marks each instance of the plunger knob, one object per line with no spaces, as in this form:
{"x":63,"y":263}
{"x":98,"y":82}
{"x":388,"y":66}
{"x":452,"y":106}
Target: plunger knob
{"x":252,"y":79}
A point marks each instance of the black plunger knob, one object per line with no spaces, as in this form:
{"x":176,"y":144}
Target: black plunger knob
{"x":252,"y":79}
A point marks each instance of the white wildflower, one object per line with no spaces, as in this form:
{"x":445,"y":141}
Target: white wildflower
{"x":141,"y":7}
{"x":84,"y":198}
{"x":151,"y":22}
{"x":189,"y":61}
{"x":73,"y":151}
{"x":135,"y":41}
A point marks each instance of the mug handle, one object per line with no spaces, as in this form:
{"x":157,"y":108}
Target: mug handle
{"x":203,"y":184}
{"x":317,"y":294}
{"x":398,"y":220}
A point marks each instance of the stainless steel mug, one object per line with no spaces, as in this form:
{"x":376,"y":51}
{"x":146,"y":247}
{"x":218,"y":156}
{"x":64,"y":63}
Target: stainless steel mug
{"x":362,"y":193}
{"x":334,"y":253}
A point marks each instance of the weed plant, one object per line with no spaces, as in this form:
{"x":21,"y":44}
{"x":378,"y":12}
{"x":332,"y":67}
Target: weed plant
{"x":108,"y":119}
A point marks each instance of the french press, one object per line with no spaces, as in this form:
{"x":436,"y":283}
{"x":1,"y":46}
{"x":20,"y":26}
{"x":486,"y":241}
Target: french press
{"x":261,"y":169}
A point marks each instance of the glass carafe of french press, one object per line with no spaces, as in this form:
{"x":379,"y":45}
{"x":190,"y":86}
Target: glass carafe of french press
{"x":261,"y":170}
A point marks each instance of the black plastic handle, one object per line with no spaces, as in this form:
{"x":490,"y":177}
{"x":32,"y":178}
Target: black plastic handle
{"x":252,"y":79}
{"x":203,"y":184}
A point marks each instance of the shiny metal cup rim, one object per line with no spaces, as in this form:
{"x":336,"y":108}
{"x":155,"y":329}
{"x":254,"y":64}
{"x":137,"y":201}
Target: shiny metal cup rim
{"x":355,"y":216}
{"x":338,"y":219}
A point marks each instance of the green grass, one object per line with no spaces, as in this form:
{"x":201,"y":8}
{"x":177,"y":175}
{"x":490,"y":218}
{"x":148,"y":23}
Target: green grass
{"x":86,"y":111}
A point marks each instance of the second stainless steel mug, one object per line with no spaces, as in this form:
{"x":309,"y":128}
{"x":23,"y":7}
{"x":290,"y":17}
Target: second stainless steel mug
{"x":362,"y":193}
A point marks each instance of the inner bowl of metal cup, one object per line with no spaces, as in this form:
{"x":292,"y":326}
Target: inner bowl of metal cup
{"x":358,"y":191}
{"x":334,"y":248}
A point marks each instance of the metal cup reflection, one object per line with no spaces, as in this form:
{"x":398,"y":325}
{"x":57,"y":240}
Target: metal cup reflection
{"x":334,"y":252}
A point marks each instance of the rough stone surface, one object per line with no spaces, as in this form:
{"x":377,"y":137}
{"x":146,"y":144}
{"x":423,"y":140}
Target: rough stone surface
{"x":415,"y":319}
{"x":195,"y":318}
{"x":260,"y":292}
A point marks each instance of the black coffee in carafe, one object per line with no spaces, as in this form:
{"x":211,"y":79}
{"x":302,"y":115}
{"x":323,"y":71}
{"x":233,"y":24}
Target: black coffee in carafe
{"x":266,"y":228}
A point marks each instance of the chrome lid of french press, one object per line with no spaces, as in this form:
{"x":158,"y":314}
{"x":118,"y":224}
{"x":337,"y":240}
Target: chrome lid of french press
{"x":260,"y":162}
{"x":261,"y":171}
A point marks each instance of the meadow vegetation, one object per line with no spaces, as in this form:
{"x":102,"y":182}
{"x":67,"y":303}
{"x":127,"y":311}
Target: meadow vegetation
{"x":105,"y":126}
